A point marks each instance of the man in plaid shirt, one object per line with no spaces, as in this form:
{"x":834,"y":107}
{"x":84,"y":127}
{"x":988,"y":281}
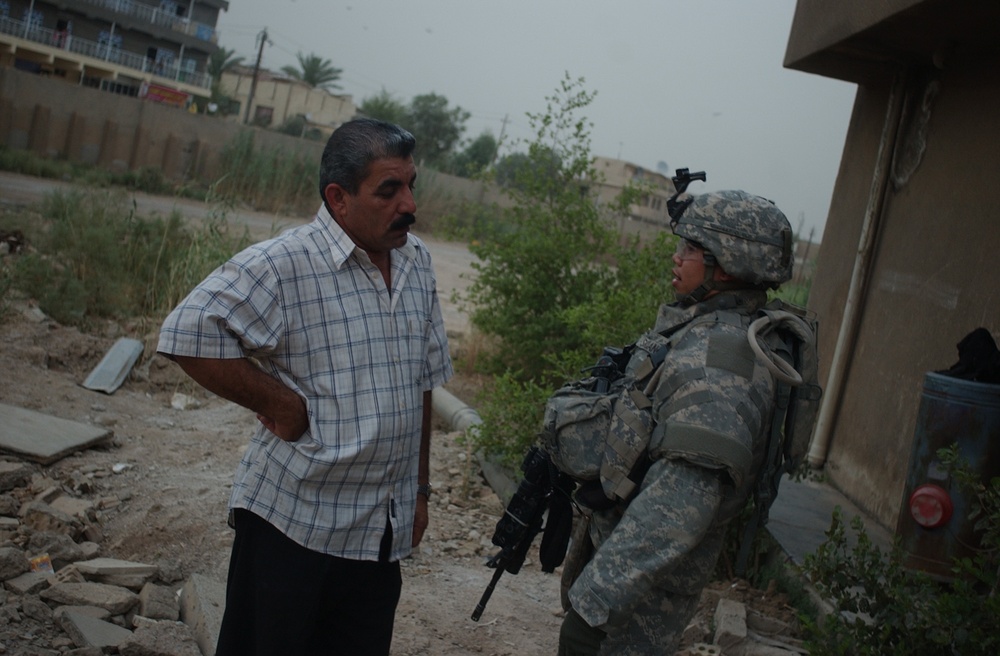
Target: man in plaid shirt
{"x":332,"y":334}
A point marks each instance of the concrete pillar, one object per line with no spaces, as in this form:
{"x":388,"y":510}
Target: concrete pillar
{"x":198,"y":155}
{"x":140,"y":149}
{"x":109,"y":139}
{"x":172,"y":160}
{"x":76,"y":131}
{"x":6,"y":120}
{"x":38,"y":135}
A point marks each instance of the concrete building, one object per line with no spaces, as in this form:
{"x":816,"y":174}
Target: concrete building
{"x":645,"y":217}
{"x":908,"y":265}
{"x":278,"y":98}
{"x":157,"y":49}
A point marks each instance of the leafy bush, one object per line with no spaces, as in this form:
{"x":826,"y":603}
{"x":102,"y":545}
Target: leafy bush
{"x":554,"y":284}
{"x":548,"y":253}
{"x":883,"y":608}
{"x":511,"y":414}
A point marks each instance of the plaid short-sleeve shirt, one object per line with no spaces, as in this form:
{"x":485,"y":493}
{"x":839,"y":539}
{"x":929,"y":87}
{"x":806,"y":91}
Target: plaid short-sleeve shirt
{"x":313,"y":311}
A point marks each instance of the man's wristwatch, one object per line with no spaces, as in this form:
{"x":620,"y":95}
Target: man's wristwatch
{"x":424,"y":489}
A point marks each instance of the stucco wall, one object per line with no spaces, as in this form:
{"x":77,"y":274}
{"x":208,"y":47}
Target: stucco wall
{"x":933,"y":278}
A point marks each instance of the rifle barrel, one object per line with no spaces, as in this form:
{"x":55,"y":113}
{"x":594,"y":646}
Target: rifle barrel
{"x":481,"y":606}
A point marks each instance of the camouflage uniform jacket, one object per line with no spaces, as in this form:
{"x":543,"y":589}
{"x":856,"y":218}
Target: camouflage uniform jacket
{"x":712,"y":405}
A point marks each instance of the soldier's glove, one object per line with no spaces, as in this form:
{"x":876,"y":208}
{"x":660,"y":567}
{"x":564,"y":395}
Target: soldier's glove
{"x":577,"y":638}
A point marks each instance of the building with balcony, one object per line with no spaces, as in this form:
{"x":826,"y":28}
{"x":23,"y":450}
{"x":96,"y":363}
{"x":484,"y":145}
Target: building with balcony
{"x":158,"y":49}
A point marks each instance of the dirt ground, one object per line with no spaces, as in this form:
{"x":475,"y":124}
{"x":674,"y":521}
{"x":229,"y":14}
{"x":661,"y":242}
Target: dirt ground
{"x":164,"y":482}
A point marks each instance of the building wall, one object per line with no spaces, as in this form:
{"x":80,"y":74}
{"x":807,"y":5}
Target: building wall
{"x":932,"y":279}
{"x":287,"y":99}
{"x":58,"y":120}
{"x":646,"y":218}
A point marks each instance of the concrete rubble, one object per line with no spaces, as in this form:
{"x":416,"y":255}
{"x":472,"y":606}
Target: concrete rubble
{"x":61,"y":595}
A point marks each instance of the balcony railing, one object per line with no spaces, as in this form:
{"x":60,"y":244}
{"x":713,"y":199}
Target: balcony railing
{"x":158,"y":16}
{"x":105,"y":52}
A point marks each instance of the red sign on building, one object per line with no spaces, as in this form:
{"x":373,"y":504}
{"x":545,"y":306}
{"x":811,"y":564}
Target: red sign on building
{"x":161,"y":94}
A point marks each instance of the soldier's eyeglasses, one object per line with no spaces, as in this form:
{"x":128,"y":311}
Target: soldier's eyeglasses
{"x":688,"y":250}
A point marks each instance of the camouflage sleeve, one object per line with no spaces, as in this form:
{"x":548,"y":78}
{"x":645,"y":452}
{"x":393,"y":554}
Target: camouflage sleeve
{"x":665,"y":522}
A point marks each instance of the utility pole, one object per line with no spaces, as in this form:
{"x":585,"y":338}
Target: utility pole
{"x":256,"y":70}
{"x":493,"y":159}
{"x":496,"y":151}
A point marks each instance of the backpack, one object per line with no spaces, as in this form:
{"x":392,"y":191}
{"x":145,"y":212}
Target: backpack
{"x":796,"y":408}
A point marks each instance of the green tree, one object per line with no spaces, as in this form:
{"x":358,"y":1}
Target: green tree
{"x":517,"y":169}
{"x":554,"y":285}
{"x":385,"y":107}
{"x":315,"y":71}
{"x":552,"y":250}
{"x":475,"y":157}
{"x":437,"y":127}
{"x":219,"y":62}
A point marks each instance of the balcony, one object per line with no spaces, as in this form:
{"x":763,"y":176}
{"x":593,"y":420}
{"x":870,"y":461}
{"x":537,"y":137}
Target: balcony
{"x":159,"y":16}
{"x":105,"y":52}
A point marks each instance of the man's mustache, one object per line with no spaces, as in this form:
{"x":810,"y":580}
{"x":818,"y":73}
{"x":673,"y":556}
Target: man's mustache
{"x":402,"y":222}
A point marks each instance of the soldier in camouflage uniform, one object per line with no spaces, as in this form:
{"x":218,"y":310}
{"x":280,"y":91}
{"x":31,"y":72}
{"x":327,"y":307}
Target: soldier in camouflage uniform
{"x":638,"y":577}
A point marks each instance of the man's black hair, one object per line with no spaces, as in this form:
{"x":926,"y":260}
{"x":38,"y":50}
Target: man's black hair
{"x":353,"y":147}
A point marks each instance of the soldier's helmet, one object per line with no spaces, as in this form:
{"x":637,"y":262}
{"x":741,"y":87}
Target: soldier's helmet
{"x":748,"y":235}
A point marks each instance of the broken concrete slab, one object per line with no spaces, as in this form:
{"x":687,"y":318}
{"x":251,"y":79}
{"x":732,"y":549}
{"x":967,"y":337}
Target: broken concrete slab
{"x":108,"y":566}
{"x":158,"y":602}
{"x":730,"y":624}
{"x":88,"y":631}
{"x":92,"y":611}
{"x":735,"y":639}
{"x":43,"y":438}
{"x":79,"y":508}
{"x":116,"y":600}
{"x":203,"y":601}
{"x":160,"y":639}
{"x":28,"y":583}
{"x":111,"y":371}
{"x":701,"y":649}
{"x":13,"y":562}
{"x":43,"y":518}
{"x":60,"y":547}
{"x":122,"y":573}
{"x":14,"y":474}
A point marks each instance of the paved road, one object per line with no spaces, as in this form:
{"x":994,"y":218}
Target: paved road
{"x":451,"y":260}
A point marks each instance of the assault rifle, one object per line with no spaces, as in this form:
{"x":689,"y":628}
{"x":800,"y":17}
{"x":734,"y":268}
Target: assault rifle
{"x":522,"y":521}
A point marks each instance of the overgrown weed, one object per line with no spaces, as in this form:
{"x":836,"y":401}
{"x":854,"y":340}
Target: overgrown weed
{"x":90,"y":256}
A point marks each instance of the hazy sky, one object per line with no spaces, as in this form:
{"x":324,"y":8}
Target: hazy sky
{"x":693,"y":83}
